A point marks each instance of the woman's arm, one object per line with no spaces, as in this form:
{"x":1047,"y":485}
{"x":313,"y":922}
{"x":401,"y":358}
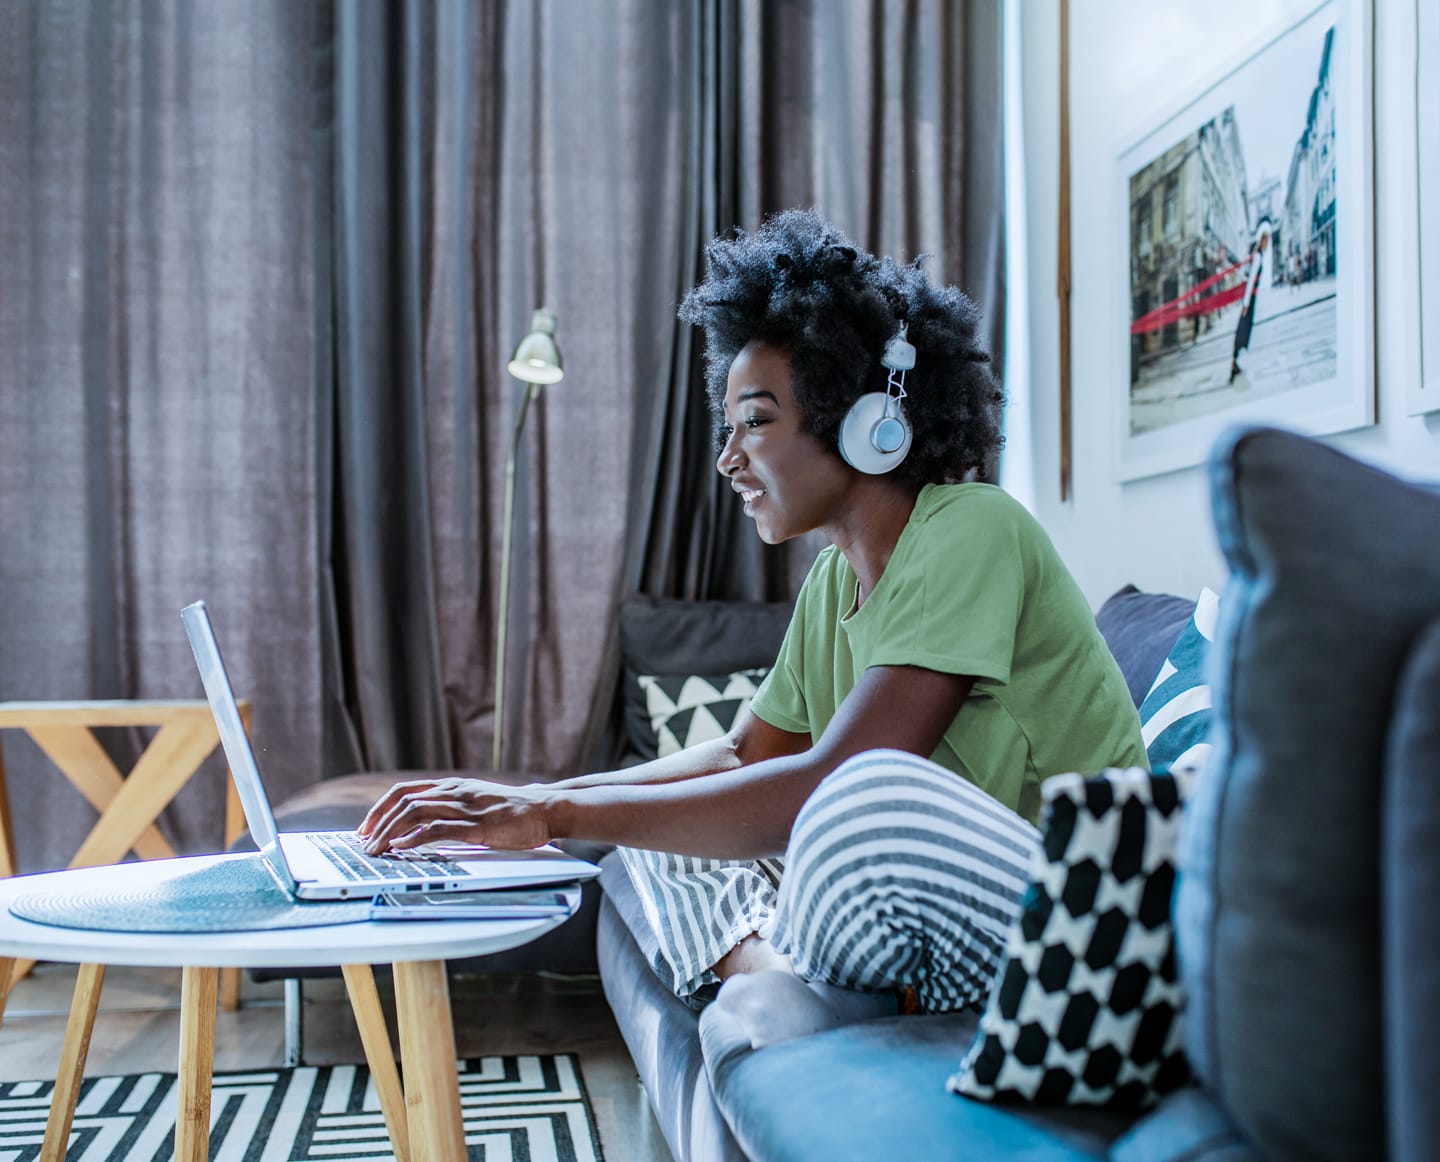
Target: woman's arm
{"x":751,"y":740}
{"x":736,"y":813}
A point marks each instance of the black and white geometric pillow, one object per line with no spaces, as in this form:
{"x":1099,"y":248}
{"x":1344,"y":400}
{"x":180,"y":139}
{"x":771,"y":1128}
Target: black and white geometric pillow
{"x":690,"y":708}
{"x":1086,"y":1009}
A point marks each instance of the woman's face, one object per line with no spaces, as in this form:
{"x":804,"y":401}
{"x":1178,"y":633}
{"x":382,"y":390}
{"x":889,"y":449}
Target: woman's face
{"x":790,"y":480}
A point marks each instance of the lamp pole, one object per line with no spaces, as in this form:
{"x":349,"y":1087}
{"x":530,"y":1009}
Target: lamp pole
{"x":536,"y":361}
{"x":531,"y":390}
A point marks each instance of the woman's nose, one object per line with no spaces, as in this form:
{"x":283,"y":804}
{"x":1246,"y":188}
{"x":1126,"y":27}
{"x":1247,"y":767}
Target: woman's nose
{"x":730,"y":458}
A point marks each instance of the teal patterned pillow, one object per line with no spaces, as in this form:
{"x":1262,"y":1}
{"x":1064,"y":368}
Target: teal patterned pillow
{"x":1175,"y":716}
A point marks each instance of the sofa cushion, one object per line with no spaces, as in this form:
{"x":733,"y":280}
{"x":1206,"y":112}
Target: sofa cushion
{"x":1175,"y":716}
{"x":663,"y":637}
{"x":1140,"y":628}
{"x":1188,"y":1126}
{"x":686,"y":709}
{"x":876,"y":1089}
{"x":1335,"y":567}
{"x":1086,"y":1006}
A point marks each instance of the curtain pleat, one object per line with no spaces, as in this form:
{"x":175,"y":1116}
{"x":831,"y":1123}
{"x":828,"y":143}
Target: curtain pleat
{"x":381,"y":558}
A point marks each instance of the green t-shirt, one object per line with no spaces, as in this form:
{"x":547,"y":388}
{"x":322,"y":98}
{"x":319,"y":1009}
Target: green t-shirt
{"x":974,"y":587}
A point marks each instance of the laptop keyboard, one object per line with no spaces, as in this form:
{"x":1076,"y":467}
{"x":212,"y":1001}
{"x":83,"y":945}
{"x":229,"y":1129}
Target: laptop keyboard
{"x":344,"y":850}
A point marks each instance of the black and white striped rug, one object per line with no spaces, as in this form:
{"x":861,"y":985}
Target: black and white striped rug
{"x":514,"y":1108}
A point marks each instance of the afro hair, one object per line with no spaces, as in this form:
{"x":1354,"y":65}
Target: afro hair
{"x":800,"y":284}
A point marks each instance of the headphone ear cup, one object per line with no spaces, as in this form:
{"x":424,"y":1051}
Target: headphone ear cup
{"x":872,"y":442}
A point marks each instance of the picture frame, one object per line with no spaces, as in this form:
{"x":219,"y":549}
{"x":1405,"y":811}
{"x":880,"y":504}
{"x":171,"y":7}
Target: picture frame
{"x":1243,"y":237}
{"x":1422,"y":394}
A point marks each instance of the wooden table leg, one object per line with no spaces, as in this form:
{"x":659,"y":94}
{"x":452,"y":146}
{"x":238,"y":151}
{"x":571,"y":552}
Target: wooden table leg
{"x":235,"y":826}
{"x":197,"y":1061}
{"x":427,"y":1052}
{"x":375,"y":1037}
{"x":229,"y":989}
{"x":7,"y":978}
{"x":8,"y":866}
{"x":72,"y":1061}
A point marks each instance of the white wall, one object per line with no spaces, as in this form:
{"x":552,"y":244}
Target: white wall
{"x":1156,"y":532}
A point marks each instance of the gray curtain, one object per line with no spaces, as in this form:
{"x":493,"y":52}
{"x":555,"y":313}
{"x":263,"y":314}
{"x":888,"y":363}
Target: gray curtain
{"x":157,"y":423}
{"x":261,"y":265}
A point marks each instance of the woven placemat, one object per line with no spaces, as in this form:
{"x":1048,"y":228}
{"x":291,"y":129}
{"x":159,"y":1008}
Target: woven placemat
{"x":236,"y":895}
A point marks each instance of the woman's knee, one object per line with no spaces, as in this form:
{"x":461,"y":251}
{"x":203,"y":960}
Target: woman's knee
{"x":887,"y":821}
{"x":847,"y":830}
{"x":870,"y":785}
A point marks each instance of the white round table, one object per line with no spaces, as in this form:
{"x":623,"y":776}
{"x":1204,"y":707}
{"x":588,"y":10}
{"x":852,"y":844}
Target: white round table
{"x":423,"y":1119}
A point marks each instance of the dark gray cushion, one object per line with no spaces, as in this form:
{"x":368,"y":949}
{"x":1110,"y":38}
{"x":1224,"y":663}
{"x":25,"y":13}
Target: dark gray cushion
{"x":1335,"y":567}
{"x":1410,"y":879}
{"x":1140,"y":628}
{"x":670,"y":638}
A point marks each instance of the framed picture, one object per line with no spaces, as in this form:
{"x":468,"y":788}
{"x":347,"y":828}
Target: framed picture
{"x":1423,"y":395}
{"x":1244,"y":272}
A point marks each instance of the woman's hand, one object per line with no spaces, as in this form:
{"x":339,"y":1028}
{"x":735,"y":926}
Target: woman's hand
{"x":457,"y":810}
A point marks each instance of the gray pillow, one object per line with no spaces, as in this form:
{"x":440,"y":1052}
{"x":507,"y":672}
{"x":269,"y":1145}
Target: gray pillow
{"x":660,"y":637}
{"x":1335,"y":567}
{"x":1410,"y":881}
{"x":1140,"y":628}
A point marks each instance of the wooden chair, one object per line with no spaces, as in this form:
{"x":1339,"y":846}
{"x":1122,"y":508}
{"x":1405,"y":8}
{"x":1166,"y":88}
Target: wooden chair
{"x":128,"y":805}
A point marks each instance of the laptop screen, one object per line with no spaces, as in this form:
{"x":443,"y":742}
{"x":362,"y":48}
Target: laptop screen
{"x":238,"y":751}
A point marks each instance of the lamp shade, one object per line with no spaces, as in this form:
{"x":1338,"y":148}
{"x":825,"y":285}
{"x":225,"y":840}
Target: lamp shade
{"x":537,"y":358}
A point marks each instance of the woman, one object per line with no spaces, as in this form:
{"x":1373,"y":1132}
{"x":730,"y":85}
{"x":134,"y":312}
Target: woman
{"x":939,"y":664}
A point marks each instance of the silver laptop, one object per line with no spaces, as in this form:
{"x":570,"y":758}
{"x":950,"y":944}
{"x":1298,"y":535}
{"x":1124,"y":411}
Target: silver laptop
{"x":332,"y":865}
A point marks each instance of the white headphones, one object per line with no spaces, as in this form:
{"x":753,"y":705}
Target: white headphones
{"x":875,"y":435}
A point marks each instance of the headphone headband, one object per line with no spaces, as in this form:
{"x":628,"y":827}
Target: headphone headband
{"x":899,"y":354}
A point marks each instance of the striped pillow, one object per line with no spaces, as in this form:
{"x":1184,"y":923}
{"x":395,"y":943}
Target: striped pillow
{"x":1175,"y":716}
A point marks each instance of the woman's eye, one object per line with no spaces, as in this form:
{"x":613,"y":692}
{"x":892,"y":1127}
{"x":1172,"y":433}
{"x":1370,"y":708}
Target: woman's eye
{"x":724,"y":431}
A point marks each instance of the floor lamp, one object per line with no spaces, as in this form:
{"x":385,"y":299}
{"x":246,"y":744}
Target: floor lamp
{"x":536,"y":362}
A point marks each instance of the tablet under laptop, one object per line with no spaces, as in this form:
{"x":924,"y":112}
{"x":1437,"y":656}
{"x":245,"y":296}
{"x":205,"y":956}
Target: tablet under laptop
{"x":332,"y":865}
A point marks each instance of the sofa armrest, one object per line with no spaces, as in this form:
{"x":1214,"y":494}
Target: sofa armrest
{"x":1410,"y":885}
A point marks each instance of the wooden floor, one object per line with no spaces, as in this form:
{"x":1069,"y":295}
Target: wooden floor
{"x":138,"y":1030}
